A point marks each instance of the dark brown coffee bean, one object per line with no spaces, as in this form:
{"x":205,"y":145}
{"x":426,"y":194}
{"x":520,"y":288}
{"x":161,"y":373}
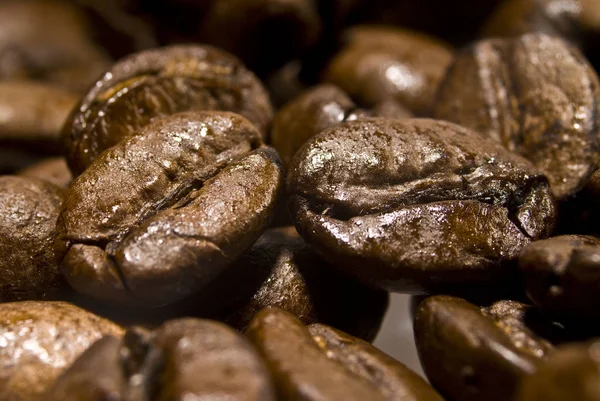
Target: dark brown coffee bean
{"x":38,"y":37}
{"x":264,"y":33}
{"x":160,"y":215}
{"x":417,"y":204}
{"x":316,"y":109}
{"x":300,"y":369}
{"x":38,"y":340}
{"x":156,"y":83}
{"x":562,"y":276}
{"x":184,"y":359}
{"x":470,"y":353}
{"x":32,"y":114}
{"x":574,"y":20}
{"x":280,"y":271}
{"x":53,"y":170}
{"x":537,"y":96}
{"x":571,"y":373}
{"x":392,"y":379}
{"x":29,"y":208}
{"x":379,"y":63}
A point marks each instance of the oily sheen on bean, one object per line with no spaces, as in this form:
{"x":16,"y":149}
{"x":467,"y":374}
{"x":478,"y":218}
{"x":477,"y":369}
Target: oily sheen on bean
{"x":417,"y":204}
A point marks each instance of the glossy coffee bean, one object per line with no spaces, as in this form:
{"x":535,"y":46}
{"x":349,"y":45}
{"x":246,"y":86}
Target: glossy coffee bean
{"x":571,"y":373}
{"x":380,"y":63}
{"x":470,"y":353}
{"x":300,"y":369}
{"x":183,"y":359}
{"x":281,"y":271}
{"x":535,"y":94}
{"x":53,"y":170}
{"x":391,"y":378}
{"x":417,"y":204}
{"x":29,"y":208}
{"x":160,"y":215}
{"x":38,"y":37}
{"x":41,"y":339}
{"x":562,"y":276}
{"x":32,"y":114}
{"x":156,"y":83}
{"x":316,"y":109}
{"x":574,"y":20}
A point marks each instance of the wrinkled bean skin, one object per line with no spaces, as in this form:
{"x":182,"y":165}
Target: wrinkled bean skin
{"x":393,"y":380}
{"x":473,"y":354}
{"x":40,"y":37}
{"x":313,"y":111}
{"x":32,"y":114}
{"x":535,"y":94}
{"x":280,"y":271}
{"x":186,"y":358}
{"x":162,"y":214}
{"x":413,"y":205}
{"x":571,"y":373}
{"x":53,"y":170}
{"x":381,"y":63}
{"x":562,"y":276}
{"x":316,"y":109}
{"x":156,"y":83}
{"x":29,"y":208}
{"x":39,"y":341}
{"x":300,"y":369}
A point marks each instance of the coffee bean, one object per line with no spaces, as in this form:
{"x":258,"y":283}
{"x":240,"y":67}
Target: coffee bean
{"x":160,"y":215}
{"x":185,"y":358}
{"x":280,"y":271}
{"x":535,"y":94}
{"x":29,"y":208}
{"x":417,"y":204}
{"x":38,"y":37}
{"x":156,"y":83}
{"x":53,"y":170}
{"x":41,"y":339}
{"x":474,"y":354}
{"x":571,"y":373}
{"x":391,"y":378}
{"x":300,"y":369}
{"x":33,"y":113}
{"x":379,"y":63}
{"x":561,"y":276}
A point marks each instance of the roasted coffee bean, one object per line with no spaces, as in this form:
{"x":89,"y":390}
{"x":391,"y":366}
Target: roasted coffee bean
{"x":417,"y":204}
{"x":538,"y":96}
{"x":32,"y":114}
{"x":300,"y":369}
{"x":470,"y":353}
{"x":380,"y":63}
{"x":38,"y":37}
{"x":41,"y":339}
{"x":160,"y":215}
{"x":264,"y":33}
{"x":316,"y":109}
{"x":571,"y":373}
{"x":53,"y":170}
{"x":392,"y":379}
{"x":184,"y":359}
{"x":562,"y":276}
{"x":156,"y":83}
{"x":29,"y":208}
{"x":280,"y":271}
{"x":575,"y":20}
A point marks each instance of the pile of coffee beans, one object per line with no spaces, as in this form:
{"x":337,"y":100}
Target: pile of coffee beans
{"x":213,"y":199}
